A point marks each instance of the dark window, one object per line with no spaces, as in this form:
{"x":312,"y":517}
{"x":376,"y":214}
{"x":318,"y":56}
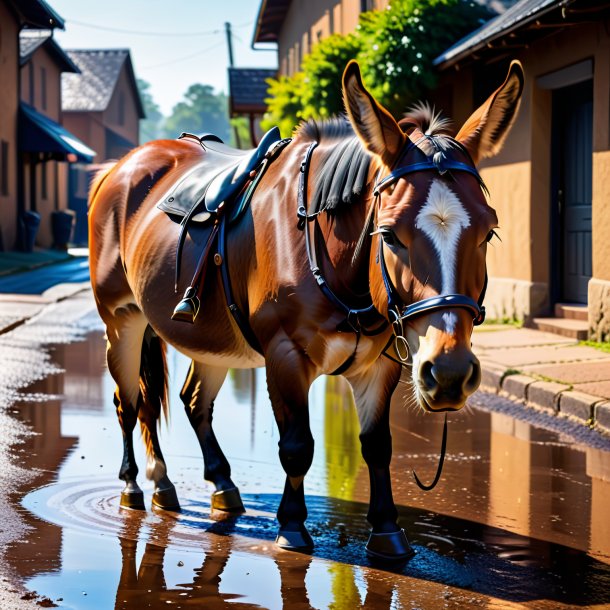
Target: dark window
{"x":121,"y":108}
{"x":43,"y":88}
{"x":4,"y":168}
{"x":43,"y":180}
{"x":31,"y":80}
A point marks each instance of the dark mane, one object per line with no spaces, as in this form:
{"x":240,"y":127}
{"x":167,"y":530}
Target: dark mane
{"x":345,"y":164}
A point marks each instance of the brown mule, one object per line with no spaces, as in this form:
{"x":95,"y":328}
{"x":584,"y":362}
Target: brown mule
{"x":398,"y":255}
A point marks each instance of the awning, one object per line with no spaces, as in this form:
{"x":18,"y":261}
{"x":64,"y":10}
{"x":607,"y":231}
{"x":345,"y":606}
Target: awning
{"x":38,"y":133}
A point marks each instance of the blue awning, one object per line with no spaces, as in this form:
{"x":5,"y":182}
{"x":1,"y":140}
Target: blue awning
{"x":38,"y":133}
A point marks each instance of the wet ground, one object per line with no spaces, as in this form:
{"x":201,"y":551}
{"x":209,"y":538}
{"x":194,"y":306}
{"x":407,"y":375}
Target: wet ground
{"x":520,"y":518}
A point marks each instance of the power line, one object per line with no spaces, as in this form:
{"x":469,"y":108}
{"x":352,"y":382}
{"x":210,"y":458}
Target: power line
{"x":142,"y":32}
{"x":183,"y":58}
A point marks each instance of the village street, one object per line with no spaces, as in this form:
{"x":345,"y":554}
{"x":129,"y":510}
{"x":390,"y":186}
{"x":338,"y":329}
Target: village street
{"x":517,"y":520}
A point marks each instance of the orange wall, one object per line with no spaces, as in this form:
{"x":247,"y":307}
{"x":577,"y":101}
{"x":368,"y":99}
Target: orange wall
{"x":9,"y":62}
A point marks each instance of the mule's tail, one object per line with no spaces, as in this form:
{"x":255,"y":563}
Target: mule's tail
{"x":153,"y":388}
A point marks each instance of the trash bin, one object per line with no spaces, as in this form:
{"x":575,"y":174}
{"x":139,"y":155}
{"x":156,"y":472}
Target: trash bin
{"x":31,"y":222}
{"x":62,"y":222}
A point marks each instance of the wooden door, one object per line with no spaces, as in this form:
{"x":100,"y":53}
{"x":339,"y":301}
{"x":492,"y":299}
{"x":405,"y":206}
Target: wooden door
{"x":573,"y":110}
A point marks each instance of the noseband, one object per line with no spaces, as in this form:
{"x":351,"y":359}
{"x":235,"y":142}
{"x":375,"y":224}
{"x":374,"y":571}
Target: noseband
{"x":398,"y":311}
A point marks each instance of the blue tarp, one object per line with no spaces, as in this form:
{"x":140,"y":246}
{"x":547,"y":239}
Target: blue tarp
{"x":39,"y":133}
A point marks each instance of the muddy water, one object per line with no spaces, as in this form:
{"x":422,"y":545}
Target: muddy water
{"x":519,"y":519}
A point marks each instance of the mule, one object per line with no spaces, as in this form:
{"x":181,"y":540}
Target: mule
{"x":388,"y":249}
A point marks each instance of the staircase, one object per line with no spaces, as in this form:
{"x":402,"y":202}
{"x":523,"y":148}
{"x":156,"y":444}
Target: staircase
{"x":570,"y":321}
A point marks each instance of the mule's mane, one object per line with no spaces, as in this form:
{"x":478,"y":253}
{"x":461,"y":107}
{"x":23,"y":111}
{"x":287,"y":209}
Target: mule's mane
{"x":344,"y":164}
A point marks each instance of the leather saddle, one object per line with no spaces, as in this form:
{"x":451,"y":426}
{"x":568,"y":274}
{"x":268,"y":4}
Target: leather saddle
{"x":219,"y":177}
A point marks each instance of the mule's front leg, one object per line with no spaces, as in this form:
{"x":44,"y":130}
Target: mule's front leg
{"x":289,"y":375}
{"x":372,"y":392}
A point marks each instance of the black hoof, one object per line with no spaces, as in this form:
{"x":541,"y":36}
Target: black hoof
{"x":228,"y":500}
{"x":133,"y":500}
{"x":299,"y":540}
{"x":389,"y":547}
{"x":166,"y":499}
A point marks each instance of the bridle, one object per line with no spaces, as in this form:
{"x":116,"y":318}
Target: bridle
{"x":398,"y":311}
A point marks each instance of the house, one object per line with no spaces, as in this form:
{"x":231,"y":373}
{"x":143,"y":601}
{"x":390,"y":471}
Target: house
{"x":247,"y":93}
{"x":14,"y":16}
{"x":45,"y":147}
{"x":296,"y":25}
{"x":101,"y":105}
{"x":550,"y":184}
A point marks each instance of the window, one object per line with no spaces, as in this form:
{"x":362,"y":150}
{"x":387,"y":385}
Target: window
{"x":43,"y":88}
{"x":43,"y":180}
{"x":31,"y":82}
{"x":4,"y":168}
{"x":121,"y":113}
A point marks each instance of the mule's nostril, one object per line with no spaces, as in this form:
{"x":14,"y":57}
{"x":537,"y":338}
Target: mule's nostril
{"x":472,"y":381}
{"x":427,"y":376}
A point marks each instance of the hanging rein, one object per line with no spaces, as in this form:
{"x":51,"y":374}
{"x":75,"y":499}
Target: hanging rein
{"x":358,"y":319}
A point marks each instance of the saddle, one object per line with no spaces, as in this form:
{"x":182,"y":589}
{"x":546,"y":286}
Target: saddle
{"x":216,"y":191}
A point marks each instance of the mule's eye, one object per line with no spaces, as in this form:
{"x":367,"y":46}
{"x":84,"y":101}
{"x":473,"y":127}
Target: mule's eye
{"x":388,"y":237}
{"x":491,"y":235}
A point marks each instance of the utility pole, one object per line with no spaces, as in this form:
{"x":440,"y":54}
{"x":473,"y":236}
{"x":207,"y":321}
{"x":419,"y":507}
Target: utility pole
{"x":229,"y":43}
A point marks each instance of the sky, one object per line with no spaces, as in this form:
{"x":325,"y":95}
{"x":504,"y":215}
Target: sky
{"x":173,"y":43}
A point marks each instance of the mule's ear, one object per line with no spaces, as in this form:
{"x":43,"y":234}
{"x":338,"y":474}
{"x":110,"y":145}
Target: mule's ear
{"x":484,"y":133}
{"x":373,"y":124}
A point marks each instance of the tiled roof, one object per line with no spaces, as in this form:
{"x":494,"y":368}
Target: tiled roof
{"x":248,"y":88}
{"x":271,"y":15}
{"x":92,"y":89}
{"x":31,"y":40}
{"x":514,"y":17}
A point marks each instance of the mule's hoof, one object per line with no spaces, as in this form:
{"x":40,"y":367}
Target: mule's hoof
{"x":389,"y":547}
{"x":133,"y":500}
{"x":166,"y":499}
{"x":228,"y":499}
{"x":299,"y":540}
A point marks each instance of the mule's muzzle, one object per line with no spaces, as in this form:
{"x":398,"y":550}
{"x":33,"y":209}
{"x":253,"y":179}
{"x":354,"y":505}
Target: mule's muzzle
{"x":445,"y":382}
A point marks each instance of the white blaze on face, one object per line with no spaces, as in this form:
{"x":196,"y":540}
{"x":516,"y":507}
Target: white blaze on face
{"x":442,"y":219}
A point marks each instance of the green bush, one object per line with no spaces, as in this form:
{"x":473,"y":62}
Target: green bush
{"x":395,"y":49}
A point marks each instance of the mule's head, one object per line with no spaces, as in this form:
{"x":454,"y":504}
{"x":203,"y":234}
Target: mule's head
{"x":432,"y":225}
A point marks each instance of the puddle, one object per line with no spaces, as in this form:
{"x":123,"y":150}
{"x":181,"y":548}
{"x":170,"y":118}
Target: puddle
{"x":519,"y":518}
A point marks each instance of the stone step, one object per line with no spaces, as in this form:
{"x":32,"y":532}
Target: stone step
{"x":566,"y":327}
{"x":572,"y":311}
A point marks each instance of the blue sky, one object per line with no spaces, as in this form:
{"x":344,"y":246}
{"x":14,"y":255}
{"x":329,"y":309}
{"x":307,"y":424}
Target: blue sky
{"x":173,"y":43}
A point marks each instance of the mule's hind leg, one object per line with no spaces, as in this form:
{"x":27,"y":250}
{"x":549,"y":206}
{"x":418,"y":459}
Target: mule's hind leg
{"x":372,"y":392}
{"x":153,"y":399}
{"x":198,"y":394}
{"x":125,"y":331}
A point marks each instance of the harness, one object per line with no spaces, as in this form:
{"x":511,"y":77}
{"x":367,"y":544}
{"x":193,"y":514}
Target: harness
{"x":398,"y":311}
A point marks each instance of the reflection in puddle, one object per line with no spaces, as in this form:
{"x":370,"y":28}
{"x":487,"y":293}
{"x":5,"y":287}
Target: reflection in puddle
{"x":519,"y":518}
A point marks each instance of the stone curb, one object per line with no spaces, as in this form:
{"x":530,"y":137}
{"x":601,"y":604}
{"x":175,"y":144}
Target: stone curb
{"x":578,"y":405}
{"x":515,"y":387}
{"x":550,"y":396}
{"x":601,"y":412}
{"x":546,"y":395}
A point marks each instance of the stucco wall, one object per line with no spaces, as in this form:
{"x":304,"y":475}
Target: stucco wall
{"x":129,"y":128}
{"x":9,"y":62}
{"x":519,"y":178}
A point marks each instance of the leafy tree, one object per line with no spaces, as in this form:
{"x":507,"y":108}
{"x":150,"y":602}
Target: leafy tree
{"x":395,"y":48}
{"x":285,"y":103}
{"x":201,"y":111}
{"x":400,"y":44}
{"x":150,"y":127}
{"x":323,"y":69}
